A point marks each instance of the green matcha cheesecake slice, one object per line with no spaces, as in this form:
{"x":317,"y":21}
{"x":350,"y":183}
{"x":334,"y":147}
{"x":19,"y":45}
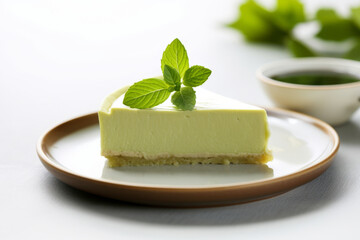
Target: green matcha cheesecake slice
{"x":218,"y":130}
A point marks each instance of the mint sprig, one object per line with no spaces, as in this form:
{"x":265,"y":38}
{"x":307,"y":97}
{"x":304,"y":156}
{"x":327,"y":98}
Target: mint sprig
{"x":151,"y":92}
{"x":276,"y":25}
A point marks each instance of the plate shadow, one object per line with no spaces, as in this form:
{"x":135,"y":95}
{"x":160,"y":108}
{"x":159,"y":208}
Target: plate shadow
{"x":317,"y":194}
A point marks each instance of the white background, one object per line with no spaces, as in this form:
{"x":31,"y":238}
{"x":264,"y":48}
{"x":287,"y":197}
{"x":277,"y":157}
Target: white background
{"x":59,"y":59}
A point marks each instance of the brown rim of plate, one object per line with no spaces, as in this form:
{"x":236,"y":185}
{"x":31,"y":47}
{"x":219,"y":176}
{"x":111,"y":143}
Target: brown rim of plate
{"x":179,"y":196}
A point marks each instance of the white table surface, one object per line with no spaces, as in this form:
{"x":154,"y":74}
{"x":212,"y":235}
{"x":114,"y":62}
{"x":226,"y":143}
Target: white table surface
{"x":58,"y":59}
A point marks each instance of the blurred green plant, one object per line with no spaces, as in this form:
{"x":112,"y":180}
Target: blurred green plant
{"x":275,"y":26}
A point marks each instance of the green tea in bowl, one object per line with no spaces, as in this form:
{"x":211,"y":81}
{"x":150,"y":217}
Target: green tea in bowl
{"x":316,"y":78}
{"x":326,"y":88}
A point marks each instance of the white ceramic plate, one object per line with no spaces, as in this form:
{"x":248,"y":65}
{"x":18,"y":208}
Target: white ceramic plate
{"x":303,"y":148}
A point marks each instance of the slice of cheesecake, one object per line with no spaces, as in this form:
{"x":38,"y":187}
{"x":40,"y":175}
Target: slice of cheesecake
{"x":218,"y":131}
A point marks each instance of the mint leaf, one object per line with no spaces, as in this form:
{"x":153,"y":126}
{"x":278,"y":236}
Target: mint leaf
{"x":338,"y":31}
{"x":175,"y":56}
{"x":354,"y":52}
{"x":184,"y":99}
{"x":196,"y":76}
{"x":147,"y":93}
{"x":355,"y":16}
{"x":298,"y":49}
{"x":288,"y":13}
{"x":172,"y":77}
{"x":256,"y":24}
{"x":327,"y":15}
{"x":335,"y":27}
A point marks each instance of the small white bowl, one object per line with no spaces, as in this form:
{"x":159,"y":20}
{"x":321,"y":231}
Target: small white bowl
{"x":332,"y":103}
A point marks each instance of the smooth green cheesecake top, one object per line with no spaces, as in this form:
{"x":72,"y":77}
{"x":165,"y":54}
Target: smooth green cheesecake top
{"x":218,"y":126}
